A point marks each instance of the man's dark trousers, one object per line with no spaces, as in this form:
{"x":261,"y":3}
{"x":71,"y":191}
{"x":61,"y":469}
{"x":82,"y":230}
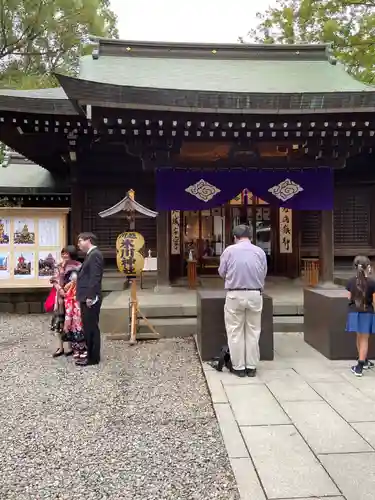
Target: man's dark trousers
{"x":90,"y":321}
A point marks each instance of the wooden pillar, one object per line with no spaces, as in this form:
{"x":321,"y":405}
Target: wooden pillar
{"x":76,"y":205}
{"x":228,"y":225}
{"x":163,"y":251}
{"x":326,"y":256}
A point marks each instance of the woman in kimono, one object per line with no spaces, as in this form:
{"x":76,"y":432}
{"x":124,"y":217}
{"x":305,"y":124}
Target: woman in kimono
{"x":67,"y":318}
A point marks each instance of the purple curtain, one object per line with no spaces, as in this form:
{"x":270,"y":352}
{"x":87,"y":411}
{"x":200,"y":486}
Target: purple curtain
{"x":198,"y":190}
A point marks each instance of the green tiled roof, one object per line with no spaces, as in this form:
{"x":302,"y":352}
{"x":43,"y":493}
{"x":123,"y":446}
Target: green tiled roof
{"x":219,"y":74}
{"x":52,"y":93}
{"x":20,"y":174}
{"x":47,"y":101}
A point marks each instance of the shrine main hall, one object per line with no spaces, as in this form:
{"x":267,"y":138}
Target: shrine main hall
{"x":208,"y":136}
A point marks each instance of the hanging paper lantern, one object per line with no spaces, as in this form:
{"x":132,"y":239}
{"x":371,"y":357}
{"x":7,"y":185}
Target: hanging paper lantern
{"x":129,"y":253}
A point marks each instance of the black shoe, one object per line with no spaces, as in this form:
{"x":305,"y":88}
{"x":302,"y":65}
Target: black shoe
{"x":84,"y":362}
{"x":251,"y":372}
{"x":239,"y":373}
{"x":358,"y":370}
{"x":58,"y":353}
{"x":368,"y":364}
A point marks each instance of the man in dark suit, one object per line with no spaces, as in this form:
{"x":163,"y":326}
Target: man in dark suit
{"x":89,"y":295}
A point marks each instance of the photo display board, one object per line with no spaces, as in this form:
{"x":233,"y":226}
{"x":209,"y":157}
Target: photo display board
{"x":31,"y":240}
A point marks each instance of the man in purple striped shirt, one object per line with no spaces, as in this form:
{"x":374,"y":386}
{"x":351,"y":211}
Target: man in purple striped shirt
{"x":244,"y":268}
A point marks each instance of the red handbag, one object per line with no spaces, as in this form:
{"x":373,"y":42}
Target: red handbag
{"x":49,"y":304}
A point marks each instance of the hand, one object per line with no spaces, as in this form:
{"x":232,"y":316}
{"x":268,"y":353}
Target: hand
{"x":89,"y":302}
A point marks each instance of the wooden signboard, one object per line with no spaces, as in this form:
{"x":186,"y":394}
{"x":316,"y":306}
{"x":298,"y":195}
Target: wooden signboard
{"x":285,"y":230}
{"x":31,"y":240}
{"x":175,"y":232}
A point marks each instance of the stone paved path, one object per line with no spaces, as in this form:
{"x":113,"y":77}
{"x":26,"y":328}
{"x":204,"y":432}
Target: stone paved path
{"x":303,"y":428}
{"x":139,"y":426}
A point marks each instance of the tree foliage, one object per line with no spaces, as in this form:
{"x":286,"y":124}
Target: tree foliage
{"x":348,"y":25}
{"x":39,"y":37}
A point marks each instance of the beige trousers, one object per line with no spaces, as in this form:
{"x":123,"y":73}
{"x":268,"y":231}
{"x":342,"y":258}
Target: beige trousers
{"x":242,"y":313}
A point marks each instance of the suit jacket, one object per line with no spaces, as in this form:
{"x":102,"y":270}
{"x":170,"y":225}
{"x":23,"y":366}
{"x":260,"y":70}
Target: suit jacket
{"x":89,"y":280}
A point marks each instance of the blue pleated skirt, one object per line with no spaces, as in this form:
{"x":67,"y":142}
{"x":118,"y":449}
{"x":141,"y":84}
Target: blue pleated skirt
{"x":360,"y":322}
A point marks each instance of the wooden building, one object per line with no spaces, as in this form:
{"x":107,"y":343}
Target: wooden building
{"x":142,"y":113}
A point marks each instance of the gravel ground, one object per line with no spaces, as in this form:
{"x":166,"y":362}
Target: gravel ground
{"x":139,"y":426}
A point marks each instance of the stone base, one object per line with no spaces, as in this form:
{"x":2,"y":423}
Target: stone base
{"x":324,"y":324}
{"x":23,"y":301}
{"x":326,"y":285}
{"x":164,"y":289}
{"x":171,"y":314}
{"x":211,"y":334}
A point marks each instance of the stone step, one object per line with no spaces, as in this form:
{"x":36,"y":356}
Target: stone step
{"x":165,"y":327}
{"x":113,"y":284}
{"x":185,"y":327}
{"x":341,"y":280}
{"x":178,"y":310}
{"x":170,"y":327}
{"x":116,"y":320}
{"x":141,"y":336}
{"x":288,"y":324}
{"x":284,"y":309}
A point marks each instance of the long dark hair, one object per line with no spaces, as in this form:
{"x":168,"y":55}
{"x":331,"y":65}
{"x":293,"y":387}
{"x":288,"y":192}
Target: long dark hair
{"x":361,"y":265}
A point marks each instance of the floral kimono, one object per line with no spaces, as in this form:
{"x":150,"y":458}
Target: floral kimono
{"x":73,"y":330}
{"x":57,"y":323}
{"x":67,"y":315}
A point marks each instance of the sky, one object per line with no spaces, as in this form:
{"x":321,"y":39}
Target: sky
{"x":187,"y":21}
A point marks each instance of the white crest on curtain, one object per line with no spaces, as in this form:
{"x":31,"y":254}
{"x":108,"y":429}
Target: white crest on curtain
{"x":285,"y":190}
{"x":203,"y":190}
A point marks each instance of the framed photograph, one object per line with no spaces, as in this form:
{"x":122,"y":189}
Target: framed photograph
{"x":4,"y":266}
{"x":24,"y":232}
{"x":4,"y":231}
{"x":47,"y":262}
{"x":49,"y":232}
{"x":24,"y":265}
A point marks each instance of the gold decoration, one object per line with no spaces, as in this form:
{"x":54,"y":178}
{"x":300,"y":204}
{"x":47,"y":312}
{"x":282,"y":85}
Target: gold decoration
{"x":129,"y":253}
{"x":240,"y":198}
{"x":5,"y":202}
{"x":285,"y":230}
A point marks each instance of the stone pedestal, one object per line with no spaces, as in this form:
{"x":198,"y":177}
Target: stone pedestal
{"x":161,"y":289}
{"x":325,"y":312}
{"x":211,"y":334}
{"x":23,"y":301}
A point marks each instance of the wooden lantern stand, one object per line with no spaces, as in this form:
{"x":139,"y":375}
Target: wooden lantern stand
{"x":135,"y":313}
{"x":129,"y":210}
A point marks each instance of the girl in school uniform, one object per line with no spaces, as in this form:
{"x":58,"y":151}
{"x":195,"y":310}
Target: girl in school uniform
{"x":361,"y":311}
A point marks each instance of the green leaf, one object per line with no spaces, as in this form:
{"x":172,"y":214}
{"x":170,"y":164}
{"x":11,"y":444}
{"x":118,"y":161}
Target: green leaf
{"x":39,"y":37}
{"x":348,"y":24}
